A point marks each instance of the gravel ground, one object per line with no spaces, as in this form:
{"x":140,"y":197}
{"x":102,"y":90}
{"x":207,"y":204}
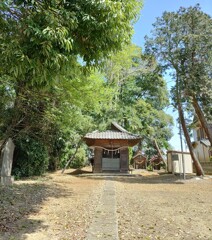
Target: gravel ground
{"x":57,"y":207}
{"x":164,"y":207}
{"x":149,"y":206}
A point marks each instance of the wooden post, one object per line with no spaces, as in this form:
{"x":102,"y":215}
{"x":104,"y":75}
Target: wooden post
{"x":97,"y":160}
{"x":124,"y":160}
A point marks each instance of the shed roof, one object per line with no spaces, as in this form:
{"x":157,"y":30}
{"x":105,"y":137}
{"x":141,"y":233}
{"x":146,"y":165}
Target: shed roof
{"x":205,"y":142}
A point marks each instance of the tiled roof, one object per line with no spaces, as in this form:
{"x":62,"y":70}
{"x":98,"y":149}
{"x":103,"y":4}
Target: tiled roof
{"x":111,"y":134}
{"x":205,"y":142}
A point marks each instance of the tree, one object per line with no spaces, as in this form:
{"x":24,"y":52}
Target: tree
{"x":47,"y":48}
{"x":139,"y":95}
{"x":181,"y":42}
{"x":199,"y":169}
{"x":40,"y":40}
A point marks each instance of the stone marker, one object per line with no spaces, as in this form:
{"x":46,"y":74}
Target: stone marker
{"x":6,"y":163}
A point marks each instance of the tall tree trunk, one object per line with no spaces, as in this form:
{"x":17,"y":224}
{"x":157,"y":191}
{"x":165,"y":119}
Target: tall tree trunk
{"x":201,"y":118}
{"x":199,"y":170}
{"x":198,"y":167}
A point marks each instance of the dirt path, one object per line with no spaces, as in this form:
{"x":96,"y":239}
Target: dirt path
{"x":62,"y":207}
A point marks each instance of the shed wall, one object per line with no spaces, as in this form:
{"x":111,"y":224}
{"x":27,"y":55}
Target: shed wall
{"x":202,"y":152}
{"x":175,"y":162}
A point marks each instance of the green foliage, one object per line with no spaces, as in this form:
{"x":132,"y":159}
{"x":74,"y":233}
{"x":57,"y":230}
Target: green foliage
{"x":6,"y":102}
{"x":31,"y":157}
{"x":130,"y":154}
{"x":58,"y":116}
{"x":139,"y":95}
{"x":42,"y":39}
{"x":181,"y":41}
{"x":47,"y":50}
{"x":79,"y":159}
{"x":56,"y":148}
{"x":53,"y":93}
{"x":149,"y":168}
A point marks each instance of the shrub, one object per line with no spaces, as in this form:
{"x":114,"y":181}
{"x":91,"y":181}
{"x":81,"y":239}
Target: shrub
{"x":79,"y":159}
{"x":31,"y":157}
{"x":149,"y":168}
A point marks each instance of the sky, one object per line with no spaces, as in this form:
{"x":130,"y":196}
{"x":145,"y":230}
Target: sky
{"x":150,"y":11}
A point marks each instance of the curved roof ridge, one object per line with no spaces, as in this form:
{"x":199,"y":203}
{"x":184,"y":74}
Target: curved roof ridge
{"x":118,"y":127}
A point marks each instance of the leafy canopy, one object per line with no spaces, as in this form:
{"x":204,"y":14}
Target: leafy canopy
{"x":41,"y":39}
{"x":182,"y":42}
{"x":139,"y":95}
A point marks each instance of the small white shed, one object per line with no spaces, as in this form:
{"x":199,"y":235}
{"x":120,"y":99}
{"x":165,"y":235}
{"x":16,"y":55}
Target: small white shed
{"x":175,"y":162}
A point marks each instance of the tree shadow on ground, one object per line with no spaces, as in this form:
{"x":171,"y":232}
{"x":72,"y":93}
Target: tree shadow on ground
{"x":139,"y":176}
{"x":151,"y":179}
{"x":19,"y":201}
{"x":79,"y":171}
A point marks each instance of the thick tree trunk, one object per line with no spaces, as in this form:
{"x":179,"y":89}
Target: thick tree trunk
{"x":201,"y":118}
{"x":199,"y":170}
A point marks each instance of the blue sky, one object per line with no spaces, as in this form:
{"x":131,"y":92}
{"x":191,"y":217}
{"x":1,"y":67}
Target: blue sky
{"x":150,"y":11}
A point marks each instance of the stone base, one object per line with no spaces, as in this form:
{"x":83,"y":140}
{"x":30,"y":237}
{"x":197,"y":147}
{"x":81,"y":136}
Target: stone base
{"x":6,"y":181}
{"x":97,"y":171}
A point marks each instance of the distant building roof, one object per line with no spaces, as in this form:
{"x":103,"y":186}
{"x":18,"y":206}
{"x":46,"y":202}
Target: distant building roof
{"x":205,"y":142}
{"x":139,"y":154}
{"x":197,"y":124}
